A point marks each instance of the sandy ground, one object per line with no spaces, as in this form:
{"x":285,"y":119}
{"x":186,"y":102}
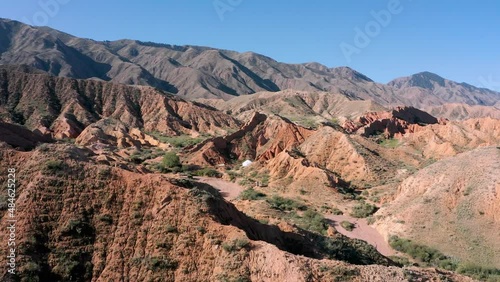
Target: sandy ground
{"x":363,"y":231}
{"x":228,"y":190}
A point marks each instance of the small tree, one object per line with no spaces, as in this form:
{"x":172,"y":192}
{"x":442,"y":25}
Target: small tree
{"x":171,"y":160}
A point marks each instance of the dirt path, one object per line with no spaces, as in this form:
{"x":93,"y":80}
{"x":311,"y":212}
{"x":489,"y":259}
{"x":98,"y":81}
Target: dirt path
{"x":228,"y":190}
{"x":363,"y":231}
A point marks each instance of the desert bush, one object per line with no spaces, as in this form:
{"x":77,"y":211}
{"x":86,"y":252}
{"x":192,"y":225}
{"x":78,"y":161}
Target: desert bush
{"x":54,"y":166}
{"x":347,"y":225}
{"x":171,"y":229}
{"x":479,"y":272}
{"x":156,"y":263}
{"x":401,"y":260}
{"x":363,"y":210}
{"x":208,"y":172}
{"x":236,"y":245}
{"x":313,"y":221}
{"x":106,"y":218}
{"x":171,"y":160}
{"x":252,"y":194}
{"x":425,"y":254}
{"x":285,"y":204}
{"x":336,"y":211}
{"x":232,"y":175}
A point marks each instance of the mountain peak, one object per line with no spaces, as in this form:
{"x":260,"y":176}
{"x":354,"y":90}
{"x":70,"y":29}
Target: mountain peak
{"x":425,"y":79}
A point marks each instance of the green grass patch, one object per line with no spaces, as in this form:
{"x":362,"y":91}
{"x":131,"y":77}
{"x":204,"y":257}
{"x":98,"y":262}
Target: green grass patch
{"x":363,"y":210}
{"x":432,"y":257}
{"x":236,"y":245}
{"x":285,"y":204}
{"x":312,"y":221}
{"x":208,"y":172}
{"x":389,"y":143}
{"x":252,"y":194}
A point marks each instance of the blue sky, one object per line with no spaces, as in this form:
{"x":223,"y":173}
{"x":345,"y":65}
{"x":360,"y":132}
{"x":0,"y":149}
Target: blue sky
{"x":457,"y":39}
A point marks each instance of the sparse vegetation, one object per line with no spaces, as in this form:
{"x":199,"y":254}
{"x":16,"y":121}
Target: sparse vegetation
{"x":416,"y":251}
{"x":208,"y":172}
{"x":363,"y":210}
{"x":252,"y":194}
{"x":433,"y":257}
{"x":156,"y":263}
{"x":336,"y":211}
{"x":171,"y":229}
{"x":401,"y":260}
{"x":389,"y":142}
{"x":236,"y":245}
{"x":53,"y":166}
{"x":285,"y":204}
{"x":170,"y":162}
{"x":140,"y":156}
{"x":180,"y":141}
{"x":312,"y":221}
{"x":106,"y":218}
{"x":347,"y":225}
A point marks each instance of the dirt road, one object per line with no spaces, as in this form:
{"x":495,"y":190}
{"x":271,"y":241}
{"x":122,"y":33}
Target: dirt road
{"x":363,"y":231}
{"x":228,"y":190}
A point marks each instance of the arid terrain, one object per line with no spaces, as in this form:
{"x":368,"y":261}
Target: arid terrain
{"x":138,"y":161}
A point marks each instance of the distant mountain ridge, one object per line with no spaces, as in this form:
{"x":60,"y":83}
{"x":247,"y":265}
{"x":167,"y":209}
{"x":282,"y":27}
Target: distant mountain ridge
{"x":203,"y":72}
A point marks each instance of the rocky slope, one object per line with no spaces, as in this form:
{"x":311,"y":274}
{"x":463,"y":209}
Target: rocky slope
{"x":452,"y":205}
{"x":64,"y":107}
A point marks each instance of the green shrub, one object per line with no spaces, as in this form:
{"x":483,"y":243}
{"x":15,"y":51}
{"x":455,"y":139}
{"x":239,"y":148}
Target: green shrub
{"x":208,"y":172}
{"x":171,"y":229}
{"x":106,"y":218}
{"x":363,"y":210}
{"x":236,"y":245}
{"x":479,"y":272}
{"x":232,"y":175}
{"x":54,"y":165}
{"x":336,"y":211}
{"x":252,"y":194}
{"x":312,"y":221}
{"x":347,"y":225}
{"x":171,"y":160}
{"x":425,"y":254}
{"x":401,"y":260}
{"x":285,"y":204}
{"x":156,"y":263}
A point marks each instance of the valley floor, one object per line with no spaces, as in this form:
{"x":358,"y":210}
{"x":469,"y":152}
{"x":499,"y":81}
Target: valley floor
{"x":362,"y":230}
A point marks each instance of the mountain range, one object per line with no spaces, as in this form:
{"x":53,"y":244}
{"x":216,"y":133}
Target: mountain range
{"x":203,"y":72}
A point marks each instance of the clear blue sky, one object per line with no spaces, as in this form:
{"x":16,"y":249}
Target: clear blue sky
{"x":457,"y":39}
